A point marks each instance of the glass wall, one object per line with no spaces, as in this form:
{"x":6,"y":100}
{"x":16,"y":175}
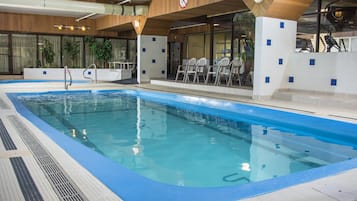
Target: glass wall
{"x":132,"y":50}
{"x":23,"y":52}
{"x":55,"y":42}
{"x":72,"y":50}
{"x":333,"y":29}
{"x":119,"y":49}
{"x":4,"y":53}
{"x":89,"y":55}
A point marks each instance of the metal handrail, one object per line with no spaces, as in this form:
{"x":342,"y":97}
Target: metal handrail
{"x":66,"y":71}
{"x":95,"y":72}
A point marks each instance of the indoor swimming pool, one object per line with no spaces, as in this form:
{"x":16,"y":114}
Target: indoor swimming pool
{"x":188,"y":145}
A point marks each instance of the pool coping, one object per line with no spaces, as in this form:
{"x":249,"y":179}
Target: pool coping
{"x":131,"y":186}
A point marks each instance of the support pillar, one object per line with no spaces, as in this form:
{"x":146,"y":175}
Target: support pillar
{"x":275,"y":40}
{"x":151,"y":57}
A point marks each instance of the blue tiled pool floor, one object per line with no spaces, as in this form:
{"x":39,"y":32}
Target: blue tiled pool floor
{"x":339,"y":187}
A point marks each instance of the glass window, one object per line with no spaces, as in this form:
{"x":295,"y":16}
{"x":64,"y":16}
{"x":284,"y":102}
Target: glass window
{"x":196,"y":46}
{"x":119,"y":49}
{"x":72,"y":51}
{"x":90,"y":55}
{"x":4,"y":53}
{"x":23,"y":51}
{"x":55,"y":42}
{"x":132,"y":50}
{"x":222,"y":45}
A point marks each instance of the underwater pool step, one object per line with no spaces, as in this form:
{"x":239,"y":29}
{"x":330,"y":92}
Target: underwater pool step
{"x":62,"y":184}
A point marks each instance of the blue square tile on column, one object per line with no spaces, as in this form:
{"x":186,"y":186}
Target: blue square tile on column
{"x":153,"y":39}
{"x":282,"y":25}
{"x":163,"y":50}
{"x":269,"y":42}
{"x":291,"y":79}
{"x":144,"y":49}
{"x":267,"y":79}
{"x":280,"y":61}
{"x":153,"y":61}
{"x":333,"y":82}
{"x":312,"y":62}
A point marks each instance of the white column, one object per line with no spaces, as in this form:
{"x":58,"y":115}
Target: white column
{"x":152,"y":57}
{"x":275,"y":40}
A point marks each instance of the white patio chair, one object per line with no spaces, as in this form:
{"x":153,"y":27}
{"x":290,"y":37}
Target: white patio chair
{"x":201,"y":70}
{"x":181,"y":70}
{"x":190,"y":70}
{"x":236,"y":66}
{"x":224,"y":70}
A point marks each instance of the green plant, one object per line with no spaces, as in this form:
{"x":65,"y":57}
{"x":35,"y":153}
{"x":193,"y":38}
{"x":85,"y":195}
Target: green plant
{"x":72,"y":50}
{"x":48,"y":52}
{"x":101,"y":50}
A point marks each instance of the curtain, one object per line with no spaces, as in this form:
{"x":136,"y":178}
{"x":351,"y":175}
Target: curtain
{"x":4,"y":54}
{"x":78,"y":60}
{"x":119,"y":49}
{"x":23,"y":51}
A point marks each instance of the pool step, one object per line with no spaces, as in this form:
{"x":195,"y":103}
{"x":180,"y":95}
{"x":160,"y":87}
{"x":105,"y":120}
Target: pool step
{"x":334,"y":100}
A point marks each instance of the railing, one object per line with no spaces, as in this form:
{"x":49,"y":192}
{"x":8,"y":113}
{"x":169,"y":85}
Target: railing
{"x":95,"y":72}
{"x":66,"y":71}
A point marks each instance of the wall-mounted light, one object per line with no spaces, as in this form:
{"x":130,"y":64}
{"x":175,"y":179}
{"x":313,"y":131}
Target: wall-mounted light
{"x":71,"y":27}
{"x":258,"y":1}
{"x":136,"y":23}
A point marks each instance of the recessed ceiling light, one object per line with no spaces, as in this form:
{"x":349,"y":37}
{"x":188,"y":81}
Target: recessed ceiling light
{"x":258,"y":1}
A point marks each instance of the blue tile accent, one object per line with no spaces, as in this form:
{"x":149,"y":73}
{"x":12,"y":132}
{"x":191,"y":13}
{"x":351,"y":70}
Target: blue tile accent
{"x":333,"y":82}
{"x":282,"y":25}
{"x":144,"y":49}
{"x":291,"y":79}
{"x":89,"y":72}
{"x":163,"y":72}
{"x":269,"y":42}
{"x":153,"y":39}
{"x":312,"y":62}
{"x":267,"y":79}
{"x":44,"y":72}
{"x":280,"y":61}
{"x":163,"y":50}
{"x":153,"y":61}
{"x":143,"y":71}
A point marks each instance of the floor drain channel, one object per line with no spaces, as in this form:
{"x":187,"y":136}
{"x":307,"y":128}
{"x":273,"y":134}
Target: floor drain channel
{"x":5,"y":137}
{"x":27,"y":185}
{"x":60,"y":181}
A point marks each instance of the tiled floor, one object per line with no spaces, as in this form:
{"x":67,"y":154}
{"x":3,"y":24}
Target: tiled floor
{"x":338,"y":187}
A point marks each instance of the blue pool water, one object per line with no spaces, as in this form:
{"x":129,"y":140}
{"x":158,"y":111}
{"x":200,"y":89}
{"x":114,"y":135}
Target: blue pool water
{"x":187,"y":143}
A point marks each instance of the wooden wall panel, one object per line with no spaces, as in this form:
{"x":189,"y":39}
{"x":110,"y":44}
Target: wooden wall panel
{"x":45,"y":24}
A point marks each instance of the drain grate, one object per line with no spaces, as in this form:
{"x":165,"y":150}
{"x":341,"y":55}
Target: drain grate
{"x":60,"y":181}
{"x":5,"y":137}
{"x":27,"y":185}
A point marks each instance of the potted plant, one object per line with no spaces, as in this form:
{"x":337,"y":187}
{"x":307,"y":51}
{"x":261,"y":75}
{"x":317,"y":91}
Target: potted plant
{"x":48,"y":53}
{"x":101,"y":50}
{"x":72,"y":50}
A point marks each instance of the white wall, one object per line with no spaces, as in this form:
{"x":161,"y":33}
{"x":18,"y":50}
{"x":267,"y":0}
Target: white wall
{"x":77,"y":74}
{"x":275,"y":39}
{"x":340,"y":66}
{"x":152,"y":57}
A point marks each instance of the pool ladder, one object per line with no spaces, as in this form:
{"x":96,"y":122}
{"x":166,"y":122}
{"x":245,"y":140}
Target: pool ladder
{"x":67,"y":83}
{"x":95,"y":72}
